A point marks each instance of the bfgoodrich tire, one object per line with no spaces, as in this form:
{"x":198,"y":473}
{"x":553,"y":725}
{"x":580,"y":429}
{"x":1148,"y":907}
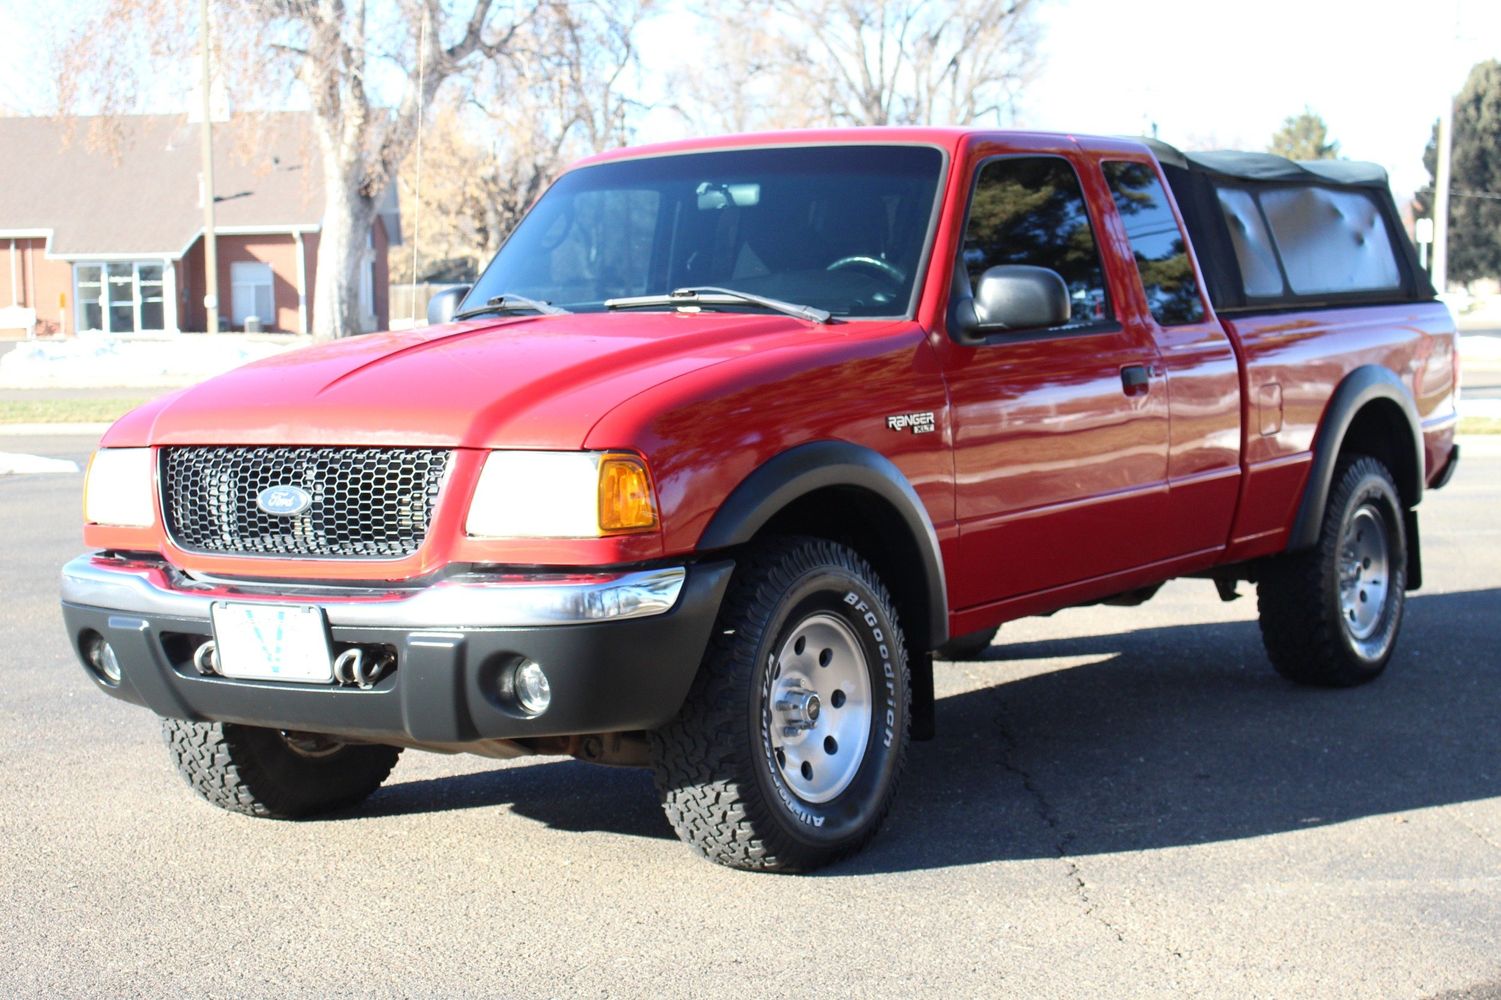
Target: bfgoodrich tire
{"x":1330,"y":614}
{"x":264,"y":772}
{"x":787,"y":753}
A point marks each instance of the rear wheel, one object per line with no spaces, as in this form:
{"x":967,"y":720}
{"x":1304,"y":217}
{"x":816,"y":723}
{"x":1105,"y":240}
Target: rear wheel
{"x":1330,"y":614}
{"x":269,"y":773}
{"x":787,"y":752}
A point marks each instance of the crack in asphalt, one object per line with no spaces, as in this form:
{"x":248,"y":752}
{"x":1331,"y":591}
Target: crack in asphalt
{"x":1063,"y":839}
{"x":1481,"y":834}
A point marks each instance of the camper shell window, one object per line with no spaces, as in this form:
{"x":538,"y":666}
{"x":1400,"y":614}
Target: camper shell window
{"x":1273,"y":233}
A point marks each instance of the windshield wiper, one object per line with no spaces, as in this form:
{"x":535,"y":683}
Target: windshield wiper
{"x":708,"y":295}
{"x":510,"y":302}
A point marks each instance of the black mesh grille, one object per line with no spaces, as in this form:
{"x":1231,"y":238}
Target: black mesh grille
{"x":367,"y":503}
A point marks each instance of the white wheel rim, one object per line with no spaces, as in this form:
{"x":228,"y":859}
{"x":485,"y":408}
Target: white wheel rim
{"x":1364,"y":573}
{"x":820,"y":708}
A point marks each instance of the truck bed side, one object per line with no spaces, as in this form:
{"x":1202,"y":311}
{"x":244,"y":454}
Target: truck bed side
{"x":1293,"y":362}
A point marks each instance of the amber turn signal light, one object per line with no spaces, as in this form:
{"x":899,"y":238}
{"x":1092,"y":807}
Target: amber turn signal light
{"x":625,"y":500}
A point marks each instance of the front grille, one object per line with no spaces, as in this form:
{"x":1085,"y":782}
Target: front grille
{"x":366,"y":503}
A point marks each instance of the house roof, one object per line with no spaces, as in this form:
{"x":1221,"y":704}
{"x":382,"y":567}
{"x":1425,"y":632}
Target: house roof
{"x":137,"y":192}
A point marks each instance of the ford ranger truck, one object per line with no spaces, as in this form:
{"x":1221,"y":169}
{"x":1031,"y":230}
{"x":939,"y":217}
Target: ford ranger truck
{"x":733,"y":434}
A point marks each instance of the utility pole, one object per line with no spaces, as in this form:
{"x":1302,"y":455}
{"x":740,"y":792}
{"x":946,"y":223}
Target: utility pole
{"x":210,"y":248}
{"x":1441,"y":196}
{"x":1443,"y":169}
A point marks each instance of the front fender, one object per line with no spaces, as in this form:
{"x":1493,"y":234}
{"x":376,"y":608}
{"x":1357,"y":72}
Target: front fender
{"x":802,"y":470}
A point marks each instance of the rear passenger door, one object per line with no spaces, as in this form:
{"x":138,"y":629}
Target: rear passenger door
{"x":1167,"y":304}
{"x":1060,"y":435}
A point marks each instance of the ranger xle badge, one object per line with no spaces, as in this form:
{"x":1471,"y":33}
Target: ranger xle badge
{"x":921,"y":423}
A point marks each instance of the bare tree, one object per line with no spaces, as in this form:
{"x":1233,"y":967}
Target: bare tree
{"x":493,"y":148}
{"x":794,"y":63}
{"x":368,"y":73}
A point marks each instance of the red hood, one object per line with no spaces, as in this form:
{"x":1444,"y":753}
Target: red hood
{"x":528,"y":382}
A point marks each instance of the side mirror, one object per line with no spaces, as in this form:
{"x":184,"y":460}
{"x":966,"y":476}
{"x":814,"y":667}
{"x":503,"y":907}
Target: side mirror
{"x":442,"y":306}
{"x":1012,"y":297}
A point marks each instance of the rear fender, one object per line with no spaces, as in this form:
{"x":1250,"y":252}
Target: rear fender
{"x":1362,"y":387}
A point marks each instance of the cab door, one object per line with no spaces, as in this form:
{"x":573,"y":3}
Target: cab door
{"x":1061,"y":434}
{"x":1198,"y":361}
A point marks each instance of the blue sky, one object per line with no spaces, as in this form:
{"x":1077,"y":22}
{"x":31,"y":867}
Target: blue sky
{"x":1206,"y":73}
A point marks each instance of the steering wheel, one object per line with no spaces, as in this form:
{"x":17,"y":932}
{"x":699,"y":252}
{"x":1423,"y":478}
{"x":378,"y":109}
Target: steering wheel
{"x":885,"y":269}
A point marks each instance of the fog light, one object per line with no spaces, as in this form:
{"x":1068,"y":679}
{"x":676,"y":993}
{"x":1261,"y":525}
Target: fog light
{"x":533,"y":693}
{"x":101,"y":656}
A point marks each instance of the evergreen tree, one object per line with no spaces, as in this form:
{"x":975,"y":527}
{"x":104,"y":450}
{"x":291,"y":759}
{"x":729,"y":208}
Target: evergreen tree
{"x":1304,"y":137}
{"x":1474,"y":178}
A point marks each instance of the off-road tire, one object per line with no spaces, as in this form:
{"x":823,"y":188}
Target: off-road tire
{"x":255,"y":771}
{"x":1316,"y":631}
{"x":970,"y":646}
{"x":723,"y":786}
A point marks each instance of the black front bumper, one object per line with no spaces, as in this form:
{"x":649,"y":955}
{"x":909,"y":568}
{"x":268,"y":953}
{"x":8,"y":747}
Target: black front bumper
{"x":448,"y":685}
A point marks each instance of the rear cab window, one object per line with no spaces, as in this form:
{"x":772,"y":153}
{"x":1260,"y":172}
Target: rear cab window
{"x":1157,"y":243}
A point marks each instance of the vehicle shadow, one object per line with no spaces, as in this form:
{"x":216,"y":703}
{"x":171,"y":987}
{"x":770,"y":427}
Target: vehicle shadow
{"x":1175,"y":736}
{"x":1185,"y":735}
{"x":564,"y":793}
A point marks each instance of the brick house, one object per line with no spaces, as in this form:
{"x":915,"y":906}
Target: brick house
{"x":107,"y":235}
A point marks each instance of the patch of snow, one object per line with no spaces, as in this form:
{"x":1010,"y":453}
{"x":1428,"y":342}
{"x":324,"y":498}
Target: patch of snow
{"x":81,"y":429}
{"x":1476,"y":348}
{"x":1489,"y":409}
{"x":1473,"y":313}
{"x":12,"y":464}
{"x":102,"y":360}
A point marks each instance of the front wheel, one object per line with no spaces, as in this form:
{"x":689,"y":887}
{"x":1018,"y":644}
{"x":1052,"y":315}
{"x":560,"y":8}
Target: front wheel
{"x":274,"y":774}
{"x":787,"y":751}
{"x":1330,"y":614}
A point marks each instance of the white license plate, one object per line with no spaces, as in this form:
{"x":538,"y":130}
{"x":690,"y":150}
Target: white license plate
{"x":272,"y":642}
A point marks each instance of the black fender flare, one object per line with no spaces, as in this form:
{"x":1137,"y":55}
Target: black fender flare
{"x":817,"y":465}
{"x":1364,"y":385}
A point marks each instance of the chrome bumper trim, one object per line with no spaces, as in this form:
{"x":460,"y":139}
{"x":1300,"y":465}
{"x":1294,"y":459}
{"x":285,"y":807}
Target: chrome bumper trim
{"x":467,"y":602}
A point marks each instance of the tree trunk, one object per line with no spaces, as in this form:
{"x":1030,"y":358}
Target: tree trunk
{"x":347,"y":218}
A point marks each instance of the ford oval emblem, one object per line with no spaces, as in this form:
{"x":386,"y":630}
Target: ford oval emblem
{"x":283,"y":501}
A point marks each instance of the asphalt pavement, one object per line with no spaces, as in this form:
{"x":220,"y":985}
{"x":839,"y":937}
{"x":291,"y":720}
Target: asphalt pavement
{"x":1120,"y":802}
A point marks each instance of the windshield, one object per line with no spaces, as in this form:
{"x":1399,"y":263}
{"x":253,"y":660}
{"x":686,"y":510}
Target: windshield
{"x":841,"y":228}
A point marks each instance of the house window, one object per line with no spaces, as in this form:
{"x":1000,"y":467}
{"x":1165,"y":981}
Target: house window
{"x":120,"y":296}
{"x":367,"y":283}
{"x":149,"y":296}
{"x":251,"y":281}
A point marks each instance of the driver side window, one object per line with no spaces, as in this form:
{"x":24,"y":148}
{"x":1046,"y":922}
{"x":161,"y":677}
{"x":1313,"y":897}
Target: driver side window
{"x":1030,"y":210}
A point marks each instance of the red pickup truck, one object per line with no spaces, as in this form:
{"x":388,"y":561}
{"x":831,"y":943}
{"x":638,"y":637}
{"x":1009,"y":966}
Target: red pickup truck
{"x":732,"y":435}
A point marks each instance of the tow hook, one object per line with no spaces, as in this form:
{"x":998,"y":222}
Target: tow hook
{"x":357,"y":666}
{"x":206,"y":658}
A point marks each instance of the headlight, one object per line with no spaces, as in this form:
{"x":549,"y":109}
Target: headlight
{"x":119,"y":488}
{"x":561,"y":494}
